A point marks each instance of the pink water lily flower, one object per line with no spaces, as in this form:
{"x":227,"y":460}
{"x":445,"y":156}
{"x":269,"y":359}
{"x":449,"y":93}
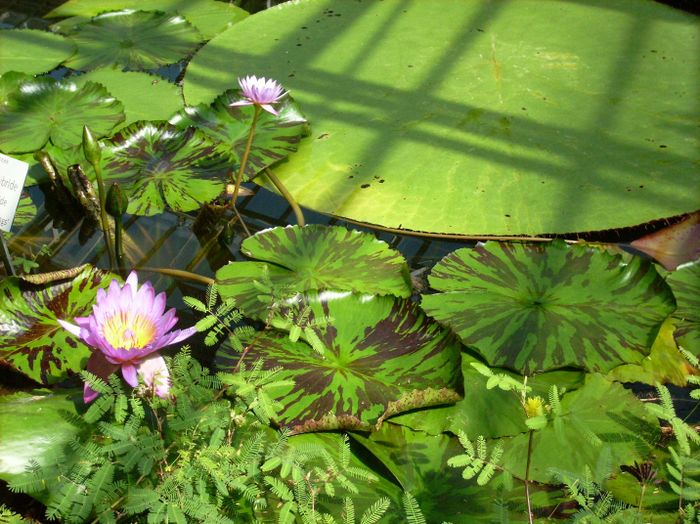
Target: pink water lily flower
{"x":260,"y":91}
{"x":127,"y":327}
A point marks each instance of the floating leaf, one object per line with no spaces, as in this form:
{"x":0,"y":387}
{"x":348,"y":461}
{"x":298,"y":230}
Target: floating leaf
{"x":538,"y":307}
{"x":505,"y":124}
{"x":133,"y":39}
{"x":43,"y":109}
{"x":158,"y":165}
{"x":599,"y":415}
{"x":31,"y":339}
{"x":685,"y":283}
{"x":145,"y":97}
{"x":32,"y":51}
{"x":313,"y":257}
{"x":26,"y":211}
{"x":673,"y":245}
{"x":208,"y":16}
{"x":275,"y":136}
{"x":382,"y":356}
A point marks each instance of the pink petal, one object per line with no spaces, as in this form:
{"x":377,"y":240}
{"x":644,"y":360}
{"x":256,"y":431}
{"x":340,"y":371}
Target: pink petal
{"x":155,"y":374}
{"x":89,"y":394}
{"x":72,"y":328}
{"x":241,"y":103}
{"x":129,"y":374}
{"x":133,"y":282}
{"x":269,"y":109}
{"x":98,"y":366}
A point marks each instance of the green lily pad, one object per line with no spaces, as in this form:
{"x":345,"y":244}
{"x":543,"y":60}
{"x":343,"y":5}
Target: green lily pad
{"x":275,"y":136}
{"x":26,"y":210}
{"x":31,"y":339}
{"x":43,"y":109}
{"x":382,"y":356}
{"x":313,"y":257}
{"x":159,"y":166}
{"x":599,"y":415}
{"x":32,"y":51}
{"x":505,"y":124}
{"x":208,"y":16}
{"x":10,"y":83}
{"x":685,"y":283}
{"x":133,"y":39}
{"x":534,"y":307}
{"x":145,"y":97}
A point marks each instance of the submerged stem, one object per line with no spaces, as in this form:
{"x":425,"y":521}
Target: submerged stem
{"x":287,"y":195}
{"x":179,"y":273}
{"x":246,"y":152}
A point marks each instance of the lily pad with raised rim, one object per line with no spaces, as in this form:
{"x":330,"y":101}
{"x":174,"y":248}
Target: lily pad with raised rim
{"x":133,"y":39}
{"x":685,"y":283}
{"x":276,"y":136}
{"x":159,"y":166}
{"x":535,"y":307}
{"x":313,"y":257}
{"x":32,"y":51}
{"x":31,"y":339}
{"x":43,"y":109}
{"x":382,"y":356}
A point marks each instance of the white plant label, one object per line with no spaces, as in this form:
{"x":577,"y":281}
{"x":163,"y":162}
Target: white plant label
{"x":12,"y":175}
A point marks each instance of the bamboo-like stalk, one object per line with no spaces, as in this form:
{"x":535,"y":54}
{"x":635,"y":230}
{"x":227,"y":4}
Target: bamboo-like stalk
{"x":246,"y":153}
{"x":287,"y":196}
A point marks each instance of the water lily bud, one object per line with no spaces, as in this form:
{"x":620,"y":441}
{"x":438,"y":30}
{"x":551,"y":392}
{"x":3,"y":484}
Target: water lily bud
{"x":117,"y":202}
{"x":91,"y":149}
{"x":226,"y":236}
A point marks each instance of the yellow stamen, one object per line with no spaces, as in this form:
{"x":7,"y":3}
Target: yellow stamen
{"x":534,"y":407}
{"x":126,"y":330}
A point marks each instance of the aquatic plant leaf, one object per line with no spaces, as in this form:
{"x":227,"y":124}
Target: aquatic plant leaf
{"x":534,"y":307}
{"x":314,"y":257}
{"x":506,"y":124}
{"x":35,"y":428}
{"x":674,"y":245}
{"x":32,"y":51}
{"x":382,"y":356}
{"x":42,"y":109}
{"x":275,"y":136}
{"x":159,"y":166}
{"x":31,"y":339}
{"x":208,"y":16}
{"x":132,"y":39}
{"x":601,"y":414}
{"x":145,"y":96}
{"x":26,"y":210}
{"x":685,"y":283}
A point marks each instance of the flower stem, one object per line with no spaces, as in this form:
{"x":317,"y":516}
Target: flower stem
{"x":246,"y":152}
{"x":118,"y":241}
{"x":103,"y":215}
{"x":527,"y":477}
{"x":287,"y":195}
{"x":179,"y":273}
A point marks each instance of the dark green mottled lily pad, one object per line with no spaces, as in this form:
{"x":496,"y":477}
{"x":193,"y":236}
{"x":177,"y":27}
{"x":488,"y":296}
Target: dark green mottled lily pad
{"x":32,"y":51}
{"x":31,"y":340}
{"x":685,"y":283}
{"x":382,"y":356}
{"x":534,"y":307}
{"x":314,"y":257}
{"x":26,"y":210}
{"x":275,"y":136}
{"x":43,"y":109}
{"x":133,"y":39}
{"x":159,"y":166}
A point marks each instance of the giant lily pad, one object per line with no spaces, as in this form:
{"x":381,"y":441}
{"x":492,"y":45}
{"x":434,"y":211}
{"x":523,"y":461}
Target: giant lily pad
{"x":158,"y":165}
{"x":31,"y":339}
{"x":133,"y":39}
{"x":536,"y":307}
{"x":32,"y":51}
{"x":208,"y":16}
{"x":685,"y":283}
{"x":382,"y":356}
{"x":43,"y":109}
{"x":313,"y":257}
{"x":505,"y":124}
{"x":275,"y":136}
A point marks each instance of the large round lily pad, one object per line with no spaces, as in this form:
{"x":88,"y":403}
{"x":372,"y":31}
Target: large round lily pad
{"x":381,"y":356}
{"x":32,"y":51}
{"x":479,"y":117}
{"x":534,"y":307}
{"x":31,"y":339}
{"x":41,"y":109}
{"x":133,"y":39}
{"x":313,"y":257}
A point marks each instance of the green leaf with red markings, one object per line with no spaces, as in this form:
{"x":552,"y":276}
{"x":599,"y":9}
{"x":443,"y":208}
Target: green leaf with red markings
{"x":314,"y":257}
{"x":31,"y":339}
{"x":159,"y":166}
{"x":685,"y":283}
{"x":381,"y":356}
{"x":534,"y":307}
{"x":276,"y":136}
{"x":42,"y":109}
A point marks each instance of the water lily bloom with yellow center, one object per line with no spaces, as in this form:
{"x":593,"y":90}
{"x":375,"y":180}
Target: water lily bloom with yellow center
{"x":127,"y":327}
{"x":261,"y":92}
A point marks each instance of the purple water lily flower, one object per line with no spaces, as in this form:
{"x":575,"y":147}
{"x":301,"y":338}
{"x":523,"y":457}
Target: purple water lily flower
{"x":126,"y":328}
{"x":260,"y":91}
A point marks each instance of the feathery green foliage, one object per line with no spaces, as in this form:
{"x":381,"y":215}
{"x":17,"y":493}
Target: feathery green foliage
{"x":477,"y":460}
